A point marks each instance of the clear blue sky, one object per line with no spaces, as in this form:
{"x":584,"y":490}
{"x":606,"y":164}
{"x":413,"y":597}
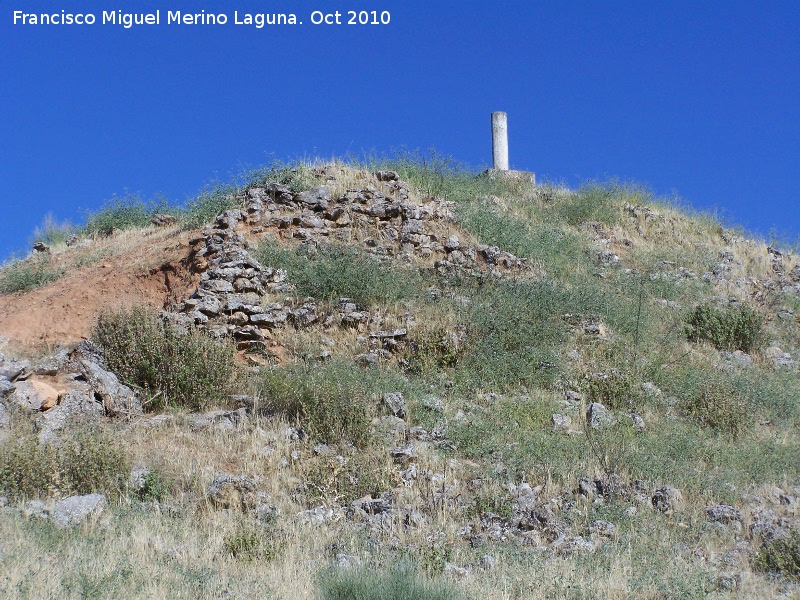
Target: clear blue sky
{"x":701,"y":99}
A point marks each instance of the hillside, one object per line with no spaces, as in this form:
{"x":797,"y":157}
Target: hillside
{"x":335,"y":381}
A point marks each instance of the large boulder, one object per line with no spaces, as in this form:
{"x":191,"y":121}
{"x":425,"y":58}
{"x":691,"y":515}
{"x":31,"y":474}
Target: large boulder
{"x":75,"y":406}
{"x":233,"y":491}
{"x":117,"y":399}
{"x":77,"y":509}
{"x":35,"y":395}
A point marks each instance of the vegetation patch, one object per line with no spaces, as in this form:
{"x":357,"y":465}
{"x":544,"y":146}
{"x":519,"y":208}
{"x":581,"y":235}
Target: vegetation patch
{"x":29,"y":273}
{"x":174,"y":367}
{"x":726,"y":329}
{"x":87,"y":461}
{"x":717,"y":403}
{"x":333,"y":402}
{"x":399,"y":582}
{"x":781,"y":557}
{"x":334,"y":272}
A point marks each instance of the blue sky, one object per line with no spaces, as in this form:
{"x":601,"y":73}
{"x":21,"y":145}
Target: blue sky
{"x":698,"y":99}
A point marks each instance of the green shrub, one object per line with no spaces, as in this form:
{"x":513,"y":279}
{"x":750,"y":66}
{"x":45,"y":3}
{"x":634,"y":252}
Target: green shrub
{"x":152,"y":489}
{"x":332,"y":272}
{"x":781,"y":557}
{"x":87,"y":461}
{"x":433,"y":349}
{"x":253,"y":542}
{"x":184,"y":368}
{"x":90,"y":461}
{"x":515,"y":330}
{"x":332,"y":402}
{"x":399,"y":582}
{"x":212,"y":201}
{"x":127,"y":212}
{"x":615,"y":389}
{"x":593,"y":202}
{"x":28,"y":273}
{"x":726,"y":329}
{"x":51,"y":232}
{"x":327,"y":479}
{"x":717,"y":403}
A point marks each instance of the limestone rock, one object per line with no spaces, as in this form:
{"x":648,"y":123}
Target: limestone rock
{"x":395,"y":402}
{"x":75,"y":406}
{"x":599,"y":417}
{"x":560,"y":422}
{"x":233,"y":491}
{"x":6,"y":387}
{"x":723,"y":513}
{"x":161,"y":220}
{"x":77,"y":509}
{"x":668,"y":500}
{"x":117,"y":399}
{"x":35,"y":395}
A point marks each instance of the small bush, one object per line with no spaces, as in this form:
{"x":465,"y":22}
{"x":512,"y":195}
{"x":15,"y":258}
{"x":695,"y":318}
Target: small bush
{"x":184,"y":368}
{"x":615,"y":389}
{"x":86,"y":462}
{"x":127,"y":212}
{"x":333,"y":402}
{"x":51,"y":232}
{"x":400,"y":582}
{"x":332,"y":272}
{"x":90,"y":461}
{"x":726,"y":329}
{"x":593,"y":202}
{"x":212,"y":201}
{"x":253,"y":542}
{"x":781,"y":557}
{"x":717,"y":403}
{"x":28,"y":274}
{"x":328,"y":479}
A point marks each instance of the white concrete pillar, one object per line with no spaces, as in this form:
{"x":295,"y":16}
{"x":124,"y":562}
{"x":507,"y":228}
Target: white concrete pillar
{"x":500,"y":141}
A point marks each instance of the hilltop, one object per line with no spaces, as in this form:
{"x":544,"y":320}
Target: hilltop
{"x":335,"y":380}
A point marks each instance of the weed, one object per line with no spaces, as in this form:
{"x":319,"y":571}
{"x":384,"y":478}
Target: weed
{"x":87,"y":461}
{"x":615,"y":389}
{"x":333,"y":402}
{"x":331,"y":272}
{"x":212,"y":201}
{"x":717,"y":403}
{"x":781,"y":556}
{"x":726,"y":329}
{"x":399,"y":582}
{"x":28,"y":273}
{"x":253,"y":542}
{"x":123,"y":213}
{"x":329,"y":479}
{"x":53,"y":233}
{"x":185,"y":368}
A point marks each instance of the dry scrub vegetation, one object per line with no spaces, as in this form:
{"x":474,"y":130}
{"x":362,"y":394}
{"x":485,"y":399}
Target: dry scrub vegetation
{"x":498,"y":476}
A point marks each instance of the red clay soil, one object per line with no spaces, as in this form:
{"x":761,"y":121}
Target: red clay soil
{"x":65,"y":310}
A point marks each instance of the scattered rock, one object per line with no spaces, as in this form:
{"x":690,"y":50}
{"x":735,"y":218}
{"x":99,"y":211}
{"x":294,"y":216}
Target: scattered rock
{"x":162,"y":220}
{"x":668,"y":500}
{"x":455,"y":571}
{"x":117,"y":399}
{"x":346,"y":561}
{"x":561,"y":422}
{"x":599,"y":417}
{"x":723,"y":513}
{"x":77,"y":509}
{"x":601,"y":528}
{"x":233,"y":492}
{"x":395,"y":403}
{"x":226,"y":420}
